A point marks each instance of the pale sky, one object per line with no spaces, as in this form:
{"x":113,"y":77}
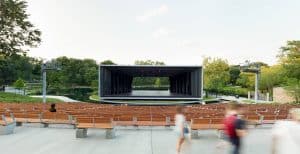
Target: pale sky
{"x":178,"y":32}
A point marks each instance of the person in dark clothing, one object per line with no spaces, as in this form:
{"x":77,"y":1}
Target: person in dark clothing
{"x":234,"y":126}
{"x":52,"y":109}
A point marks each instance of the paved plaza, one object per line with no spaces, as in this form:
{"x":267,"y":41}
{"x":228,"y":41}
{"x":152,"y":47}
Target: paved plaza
{"x":34,"y":140}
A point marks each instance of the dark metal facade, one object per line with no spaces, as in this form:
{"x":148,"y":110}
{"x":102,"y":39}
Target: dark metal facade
{"x":115,"y":81}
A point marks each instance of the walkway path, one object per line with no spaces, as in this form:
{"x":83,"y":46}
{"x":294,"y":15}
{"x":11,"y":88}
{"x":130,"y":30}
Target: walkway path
{"x":29,"y":140}
{"x":62,"y":98}
{"x":240,"y":99}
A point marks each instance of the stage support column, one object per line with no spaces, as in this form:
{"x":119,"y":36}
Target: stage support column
{"x":99,"y":82}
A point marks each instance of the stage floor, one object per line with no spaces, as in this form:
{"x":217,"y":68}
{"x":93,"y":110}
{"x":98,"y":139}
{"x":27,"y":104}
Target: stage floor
{"x":147,"y":93}
{"x":150,"y":95}
{"x":153,"y":102}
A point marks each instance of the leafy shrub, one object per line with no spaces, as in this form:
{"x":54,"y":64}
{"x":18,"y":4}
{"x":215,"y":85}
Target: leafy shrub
{"x":235,"y":91}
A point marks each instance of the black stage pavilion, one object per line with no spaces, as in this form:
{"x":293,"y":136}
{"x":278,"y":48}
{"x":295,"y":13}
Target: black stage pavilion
{"x":115,"y":82}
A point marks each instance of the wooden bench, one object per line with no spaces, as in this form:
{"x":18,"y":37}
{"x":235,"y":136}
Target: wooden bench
{"x":217,"y":123}
{"x":282,"y":117}
{"x":84,"y":123}
{"x":161,"y":121}
{"x":268,"y":119}
{"x":152,"y":121}
{"x":57,"y":118}
{"x":204,"y":124}
{"x":25,"y":117}
{"x":254,"y":120}
{"x":126,"y":121}
{"x":199,"y":124}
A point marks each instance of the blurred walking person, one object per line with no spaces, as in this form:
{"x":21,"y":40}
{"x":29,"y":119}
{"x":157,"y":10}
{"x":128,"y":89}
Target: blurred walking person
{"x":234,"y":126}
{"x":286,"y":135}
{"x":180,"y":128}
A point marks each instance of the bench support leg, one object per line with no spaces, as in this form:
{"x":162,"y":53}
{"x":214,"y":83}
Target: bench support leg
{"x":194,"y":134}
{"x":81,"y":133}
{"x":19,"y":123}
{"x":110,"y":133}
{"x":8,"y":129}
{"x":45,"y":125}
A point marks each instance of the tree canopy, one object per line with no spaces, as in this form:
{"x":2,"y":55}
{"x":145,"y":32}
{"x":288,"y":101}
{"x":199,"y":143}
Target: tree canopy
{"x":293,"y":86}
{"x":234,"y":72}
{"x":108,"y":62}
{"x":17,"y":66}
{"x":289,"y":58}
{"x":216,"y":74}
{"x":17,"y":33}
{"x":270,"y":77}
{"x":74,"y":72}
{"x":19,"y":84}
{"x":246,"y":80}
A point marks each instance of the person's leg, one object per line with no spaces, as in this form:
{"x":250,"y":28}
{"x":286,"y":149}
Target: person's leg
{"x":236,"y":145}
{"x":235,"y":149}
{"x":178,"y":146}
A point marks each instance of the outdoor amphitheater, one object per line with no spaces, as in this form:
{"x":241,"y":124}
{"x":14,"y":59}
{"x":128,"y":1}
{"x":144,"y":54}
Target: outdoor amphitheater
{"x":102,"y":128}
{"x":149,"y":77}
{"x":125,"y":120}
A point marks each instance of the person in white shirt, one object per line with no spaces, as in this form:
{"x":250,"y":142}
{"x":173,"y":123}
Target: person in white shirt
{"x":286,"y":135}
{"x":180,"y":128}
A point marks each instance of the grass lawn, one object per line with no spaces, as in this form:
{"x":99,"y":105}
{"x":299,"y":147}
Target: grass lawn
{"x":94,"y":97}
{"x":209,"y":98}
{"x":15,"y":98}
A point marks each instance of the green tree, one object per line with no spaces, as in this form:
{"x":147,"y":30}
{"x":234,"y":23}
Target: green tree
{"x":19,"y":84}
{"x":18,"y":66}
{"x":157,"y":82}
{"x":270,"y":77}
{"x":17,"y":33}
{"x":289,"y":58}
{"x":294,"y":88}
{"x":234,"y":72}
{"x":216,"y":74}
{"x":108,"y":62}
{"x":255,"y":64}
{"x":246,"y":80}
{"x":74,"y":73}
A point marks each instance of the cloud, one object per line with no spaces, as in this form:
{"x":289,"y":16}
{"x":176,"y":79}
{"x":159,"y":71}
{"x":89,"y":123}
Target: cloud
{"x":152,"y":13}
{"x":161,"y":32}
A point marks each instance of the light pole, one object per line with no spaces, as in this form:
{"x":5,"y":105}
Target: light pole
{"x":46,"y":68}
{"x":257,"y":71}
{"x":256,"y":85}
{"x":44,"y":82}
